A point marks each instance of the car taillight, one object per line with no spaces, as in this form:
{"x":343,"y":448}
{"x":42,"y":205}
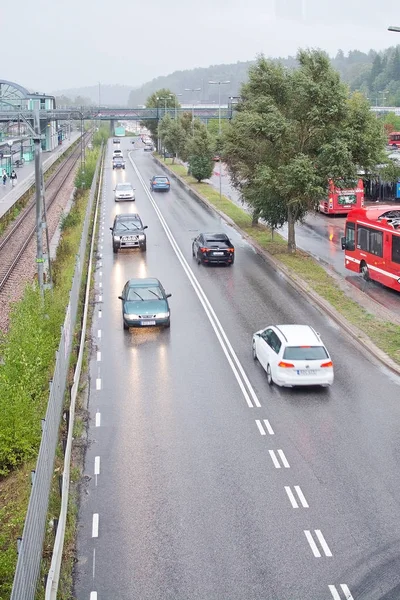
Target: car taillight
{"x":231,"y":249}
{"x":285,"y":365}
{"x":327,"y":364}
{"x":203,"y":249}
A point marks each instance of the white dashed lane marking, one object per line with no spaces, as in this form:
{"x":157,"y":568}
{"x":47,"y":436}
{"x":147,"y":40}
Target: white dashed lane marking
{"x":275,"y":459}
{"x":98,"y":419}
{"x":99,"y":333}
{"x":98,"y":383}
{"x":95,"y":525}
{"x":337,"y":596}
{"x":293,"y":499}
{"x":93,"y":596}
{"x":267,"y":427}
{"x":97,"y":465}
{"x":313,"y":545}
{"x":99,"y":357}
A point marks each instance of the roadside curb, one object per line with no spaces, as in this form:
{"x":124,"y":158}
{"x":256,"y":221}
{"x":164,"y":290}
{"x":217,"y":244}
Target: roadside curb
{"x":296,"y":282}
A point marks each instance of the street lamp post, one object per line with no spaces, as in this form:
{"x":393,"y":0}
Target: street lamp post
{"x":176,"y":106}
{"x":192,"y":90}
{"x":165,"y":98}
{"x":219,"y":83}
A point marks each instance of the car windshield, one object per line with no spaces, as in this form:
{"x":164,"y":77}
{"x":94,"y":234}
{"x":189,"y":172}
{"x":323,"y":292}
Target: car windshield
{"x":161,"y":179}
{"x":124,"y":187}
{"x":305,"y":353}
{"x":128,"y":225}
{"x":153,"y":293}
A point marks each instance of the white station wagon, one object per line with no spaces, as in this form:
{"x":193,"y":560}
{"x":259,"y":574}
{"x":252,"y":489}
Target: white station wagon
{"x":293,"y":355}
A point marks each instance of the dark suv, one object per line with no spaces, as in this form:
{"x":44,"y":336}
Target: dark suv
{"x":128,"y":232}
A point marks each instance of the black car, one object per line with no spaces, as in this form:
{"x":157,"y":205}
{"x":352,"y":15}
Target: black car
{"x":128,"y":232}
{"x":118,"y":163}
{"x":213,"y":248}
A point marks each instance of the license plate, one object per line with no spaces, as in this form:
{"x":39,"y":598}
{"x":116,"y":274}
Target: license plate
{"x":218,"y":253}
{"x":147,"y":323}
{"x":307,"y":372}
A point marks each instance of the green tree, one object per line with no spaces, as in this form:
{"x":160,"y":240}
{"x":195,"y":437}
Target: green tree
{"x":293,"y":132}
{"x":161,"y":99}
{"x":200,"y":150}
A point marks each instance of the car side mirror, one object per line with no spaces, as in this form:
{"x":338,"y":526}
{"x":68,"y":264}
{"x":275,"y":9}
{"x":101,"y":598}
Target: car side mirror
{"x":146,"y":227}
{"x":111,"y":228}
{"x":343,"y":242}
{"x":120,"y":298}
{"x":168,"y":295}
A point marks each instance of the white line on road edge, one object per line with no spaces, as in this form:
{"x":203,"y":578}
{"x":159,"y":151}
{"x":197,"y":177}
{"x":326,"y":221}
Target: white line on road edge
{"x":321,"y":540}
{"x":54,"y":572}
{"x":98,"y":419}
{"x":225,"y":344}
{"x":95,"y":525}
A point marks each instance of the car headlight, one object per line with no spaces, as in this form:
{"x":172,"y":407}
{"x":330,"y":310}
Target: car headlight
{"x":130,"y":316}
{"x":116,"y":238}
{"x":142,"y":236}
{"x":163,"y":315}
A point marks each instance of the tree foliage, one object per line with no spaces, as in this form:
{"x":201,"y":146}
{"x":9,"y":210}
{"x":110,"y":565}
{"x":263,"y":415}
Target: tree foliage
{"x":200,"y":150}
{"x":160,"y":99}
{"x":294,"y":131}
{"x":173,"y":136}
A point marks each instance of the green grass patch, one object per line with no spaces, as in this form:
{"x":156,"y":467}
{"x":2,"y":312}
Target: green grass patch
{"x":385,"y":335}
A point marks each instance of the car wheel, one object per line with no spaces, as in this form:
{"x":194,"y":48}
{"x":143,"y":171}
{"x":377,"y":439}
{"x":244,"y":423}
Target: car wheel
{"x":167,"y":325}
{"x":125,"y":325}
{"x":193,"y":252}
{"x":143,"y":248}
{"x":254,"y":350}
{"x":364,"y":270}
{"x":198,"y":260}
{"x":269,"y":375}
{"x":115,"y":249}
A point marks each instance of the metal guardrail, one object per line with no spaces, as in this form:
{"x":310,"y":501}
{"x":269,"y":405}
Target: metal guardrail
{"x":30,"y":546}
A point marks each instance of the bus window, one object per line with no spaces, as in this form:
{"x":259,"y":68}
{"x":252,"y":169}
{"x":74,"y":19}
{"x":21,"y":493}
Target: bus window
{"x":362,"y":238}
{"x":396,"y":249}
{"x":370,"y":240}
{"x":350,"y":237}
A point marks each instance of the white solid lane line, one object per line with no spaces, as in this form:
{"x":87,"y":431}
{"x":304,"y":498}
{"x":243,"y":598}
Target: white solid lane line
{"x":98,"y":419}
{"x":284,"y":459}
{"x":95,"y":525}
{"x":238,"y":371}
{"x":313,"y":545}
{"x":97,"y":465}
{"x":268,"y":426}
{"x":260,"y":427}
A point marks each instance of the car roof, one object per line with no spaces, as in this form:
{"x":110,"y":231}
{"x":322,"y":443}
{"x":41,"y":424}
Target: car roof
{"x":124,"y":183}
{"x":215,"y":236}
{"x":127,"y":216}
{"x":160,"y":177}
{"x":299,"y":335}
{"x":147,"y":281}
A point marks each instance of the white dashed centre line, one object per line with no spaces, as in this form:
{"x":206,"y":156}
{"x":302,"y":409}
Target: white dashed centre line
{"x":95,"y":525}
{"x":99,"y":333}
{"x":94,"y":563}
{"x":100,"y":298}
{"x":284,"y":459}
{"x":313,"y":544}
{"x":260,"y":427}
{"x":98,"y":356}
{"x":98,"y":383}
{"x":100,"y":285}
{"x":292,"y":498}
{"x":93,"y":596}
{"x":268,"y":427}
{"x":98,"y":419}
{"x":99,"y":315}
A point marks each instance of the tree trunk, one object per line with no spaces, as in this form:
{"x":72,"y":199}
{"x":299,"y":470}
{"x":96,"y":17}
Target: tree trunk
{"x":255,"y":217}
{"x":291,"y":233}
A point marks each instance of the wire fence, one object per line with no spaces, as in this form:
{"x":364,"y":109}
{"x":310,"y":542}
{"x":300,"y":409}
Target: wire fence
{"x":30,"y":545}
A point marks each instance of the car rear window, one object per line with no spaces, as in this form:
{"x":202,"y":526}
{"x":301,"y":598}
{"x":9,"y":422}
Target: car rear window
{"x":161,"y":179}
{"x":305,"y":353}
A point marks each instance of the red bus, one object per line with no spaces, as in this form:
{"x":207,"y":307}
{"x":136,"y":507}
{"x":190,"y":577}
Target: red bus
{"x":394,"y":139}
{"x":372,"y":244}
{"x":341,"y":201}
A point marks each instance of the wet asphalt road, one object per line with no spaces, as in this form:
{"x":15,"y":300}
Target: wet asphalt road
{"x":320,"y":235}
{"x":188,"y":502}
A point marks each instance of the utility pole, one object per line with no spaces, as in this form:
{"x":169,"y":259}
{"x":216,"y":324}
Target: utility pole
{"x":41,"y":222}
{"x":219,"y":83}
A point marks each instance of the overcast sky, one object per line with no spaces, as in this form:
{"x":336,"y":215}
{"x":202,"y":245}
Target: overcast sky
{"x":52,"y":45}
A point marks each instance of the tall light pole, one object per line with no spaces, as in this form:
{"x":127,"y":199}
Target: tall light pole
{"x":219,"y":83}
{"x":383,"y":92}
{"x":192,"y":90}
{"x":176,"y":106}
{"x":165,"y":98}
{"x":99,"y":103}
{"x":392,"y":28}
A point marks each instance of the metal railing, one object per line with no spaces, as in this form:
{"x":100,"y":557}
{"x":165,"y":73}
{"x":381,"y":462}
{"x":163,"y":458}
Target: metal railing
{"x":30,"y":546}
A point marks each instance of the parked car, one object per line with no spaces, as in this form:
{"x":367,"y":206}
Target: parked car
{"x":128,"y":232}
{"x":160,"y":183}
{"x":145,"y":304}
{"x":118,"y":162}
{"x":293,"y":355}
{"x":124,"y":191}
{"x":210,"y":248}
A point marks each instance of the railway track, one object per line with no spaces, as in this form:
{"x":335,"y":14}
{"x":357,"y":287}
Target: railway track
{"x":16,"y":240}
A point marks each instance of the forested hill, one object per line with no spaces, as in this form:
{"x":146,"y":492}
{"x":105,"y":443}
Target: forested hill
{"x":376,"y":74}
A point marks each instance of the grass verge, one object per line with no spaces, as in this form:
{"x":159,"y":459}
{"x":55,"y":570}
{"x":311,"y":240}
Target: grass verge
{"x":384,"y":334}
